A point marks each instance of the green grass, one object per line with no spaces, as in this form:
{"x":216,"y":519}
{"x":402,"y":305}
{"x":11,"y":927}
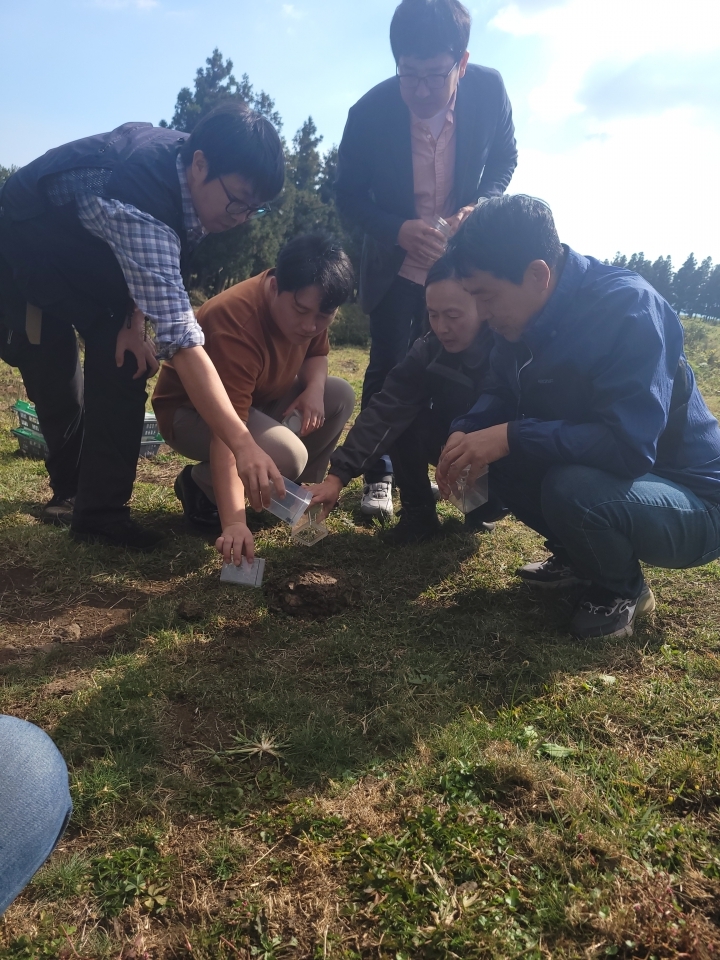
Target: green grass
{"x":436,"y":770}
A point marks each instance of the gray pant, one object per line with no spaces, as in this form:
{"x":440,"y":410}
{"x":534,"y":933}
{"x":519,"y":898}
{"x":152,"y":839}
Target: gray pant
{"x":302,"y":459}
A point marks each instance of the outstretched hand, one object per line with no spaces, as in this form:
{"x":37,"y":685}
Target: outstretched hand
{"x":326,"y":493}
{"x":234,"y":542}
{"x":257,"y":471}
{"x":310,"y":404}
{"x":475,"y":450}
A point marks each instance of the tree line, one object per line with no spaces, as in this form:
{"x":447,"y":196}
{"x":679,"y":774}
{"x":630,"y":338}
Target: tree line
{"x":308,"y":204}
{"x":693,"y":289}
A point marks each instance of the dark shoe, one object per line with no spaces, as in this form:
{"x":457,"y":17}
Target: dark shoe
{"x":123,"y":532}
{"x":197,"y":507}
{"x":414,"y":526}
{"x":550,"y":574}
{"x":58,"y":511}
{"x":602,"y":613}
{"x":484,"y":519}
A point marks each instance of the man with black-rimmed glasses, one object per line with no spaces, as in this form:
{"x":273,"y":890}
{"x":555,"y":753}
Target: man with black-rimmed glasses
{"x":425,"y":144}
{"x":95,"y":237}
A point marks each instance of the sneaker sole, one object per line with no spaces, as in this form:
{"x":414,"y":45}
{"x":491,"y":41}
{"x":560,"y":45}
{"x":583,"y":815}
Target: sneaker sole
{"x":56,"y":520}
{"x":563,"y":584}
{"x":376,"y":511}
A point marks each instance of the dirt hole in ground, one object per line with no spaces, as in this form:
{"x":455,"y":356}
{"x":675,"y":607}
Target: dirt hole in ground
{"x":313,"y":594}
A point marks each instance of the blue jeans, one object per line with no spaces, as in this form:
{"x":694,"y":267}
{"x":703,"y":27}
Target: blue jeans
{"x":395,"y":324}
{"x":34,"y":803}
{"x":603,"y":525}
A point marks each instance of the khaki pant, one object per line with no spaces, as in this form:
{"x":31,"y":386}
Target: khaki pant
{"x":301,"y":459}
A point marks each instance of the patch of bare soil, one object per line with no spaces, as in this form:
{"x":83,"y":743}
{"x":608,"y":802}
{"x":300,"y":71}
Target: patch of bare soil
{"x":162,"y":473}
{"x":313,"y":594}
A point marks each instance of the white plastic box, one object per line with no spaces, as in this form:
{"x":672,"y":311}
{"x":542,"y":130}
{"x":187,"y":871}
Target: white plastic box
{"x":468,"y":498}
{"x":294,"y":503}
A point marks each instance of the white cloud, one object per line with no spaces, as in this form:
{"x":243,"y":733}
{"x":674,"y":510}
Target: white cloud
{"x":622,"y":134}
{"x":291,"y":12}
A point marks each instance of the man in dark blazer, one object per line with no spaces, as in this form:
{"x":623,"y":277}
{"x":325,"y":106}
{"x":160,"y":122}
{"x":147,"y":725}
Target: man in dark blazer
{"x":426,"y":144}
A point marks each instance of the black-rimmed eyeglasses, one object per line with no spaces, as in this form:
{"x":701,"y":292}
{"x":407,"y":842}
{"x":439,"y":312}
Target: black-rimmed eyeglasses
{"x":236,"y":208}
{"x":433,"y":81}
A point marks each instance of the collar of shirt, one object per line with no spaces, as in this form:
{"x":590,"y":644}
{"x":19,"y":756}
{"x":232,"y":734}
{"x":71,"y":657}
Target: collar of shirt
{"x":195,"y":230}
{"x":435,"y":124}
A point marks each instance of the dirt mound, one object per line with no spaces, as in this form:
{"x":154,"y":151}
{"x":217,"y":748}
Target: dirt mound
{"x":312,"y":594}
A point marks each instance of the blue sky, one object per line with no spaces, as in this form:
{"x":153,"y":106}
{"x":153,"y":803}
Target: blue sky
{"x":617,"y":103}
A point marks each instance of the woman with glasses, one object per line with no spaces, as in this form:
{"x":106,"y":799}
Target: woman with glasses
{"x":95,"y":237}
{"x":419,"y":148}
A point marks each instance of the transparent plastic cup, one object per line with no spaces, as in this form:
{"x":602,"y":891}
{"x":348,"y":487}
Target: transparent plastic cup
{"x":246,"y":575}
{"x":293,"y":505}
{"x":293,"y":421}
{"x":468,"y":498}
{"x":442,"y":226}
{"x":310,"y":528}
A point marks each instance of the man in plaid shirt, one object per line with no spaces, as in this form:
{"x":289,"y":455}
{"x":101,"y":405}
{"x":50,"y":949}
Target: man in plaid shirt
{"x":95,"y":237}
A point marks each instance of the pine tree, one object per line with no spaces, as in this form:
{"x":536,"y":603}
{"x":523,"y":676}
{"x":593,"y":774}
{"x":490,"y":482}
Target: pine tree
{"x":710,"y":295}
{"x":662,"y":277}
{"x":6,"y":172}
{"x":686,"y":286}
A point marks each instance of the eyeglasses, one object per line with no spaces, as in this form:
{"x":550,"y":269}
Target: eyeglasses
{"x":236,"y":208}
{"x":433,"y":81}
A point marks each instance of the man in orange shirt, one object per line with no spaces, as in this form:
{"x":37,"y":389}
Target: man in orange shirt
{"x":268,"y":340}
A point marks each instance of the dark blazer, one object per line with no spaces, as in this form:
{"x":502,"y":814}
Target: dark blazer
{"x":375,"y":188}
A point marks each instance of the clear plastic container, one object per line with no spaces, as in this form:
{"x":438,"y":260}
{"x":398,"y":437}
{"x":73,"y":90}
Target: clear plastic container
{"x":246,"y":575}
{"x":468,"y":498}
{"x":442,"y":226}
{"x":294,"y":503}
{"x":293,"y":421}
{"x":310,"y":529}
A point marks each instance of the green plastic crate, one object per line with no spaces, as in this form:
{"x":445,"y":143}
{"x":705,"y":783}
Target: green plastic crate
{"x":27,"y":418}
{"x":31,"y":443}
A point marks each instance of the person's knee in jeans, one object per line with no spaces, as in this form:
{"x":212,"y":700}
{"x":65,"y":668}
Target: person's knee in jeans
{"x":36,"y":803}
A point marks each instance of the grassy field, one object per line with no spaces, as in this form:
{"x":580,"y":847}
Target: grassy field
{"x":434,"y":770}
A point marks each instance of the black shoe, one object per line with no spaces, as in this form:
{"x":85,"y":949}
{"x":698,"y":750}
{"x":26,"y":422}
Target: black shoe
{"x":58,"y":511}
{"x":602,"y":613}
{"x":550,"y":574}
{"x":121,"y":532}
{"x":484,"y":519}
{"x":197,"y":507}
{"x":414,"y":526}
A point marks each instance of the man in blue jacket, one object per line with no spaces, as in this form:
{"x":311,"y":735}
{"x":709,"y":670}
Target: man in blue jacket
{"x":597,"y":435}
{"x":426,"y":143}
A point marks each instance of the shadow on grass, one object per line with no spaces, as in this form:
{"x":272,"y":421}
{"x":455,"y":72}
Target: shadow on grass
{"x":429,"y":632}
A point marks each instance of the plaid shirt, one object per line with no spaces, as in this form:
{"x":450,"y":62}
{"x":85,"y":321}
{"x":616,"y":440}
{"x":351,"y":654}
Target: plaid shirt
{"x":147,"y":250}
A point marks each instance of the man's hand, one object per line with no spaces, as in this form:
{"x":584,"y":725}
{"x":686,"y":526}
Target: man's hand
{"x":132,"y":340}
{"x":310,"y":404}
{"x":256,"y":469}
{"x":423,"y":242}
{"x":234,"y":541}
{"x":456,"y":220}
{"x":326,"y":493}
{"x":475,"y":450}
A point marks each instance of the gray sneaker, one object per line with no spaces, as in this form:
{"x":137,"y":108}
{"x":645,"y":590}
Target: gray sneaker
{"x":550,"y":574}
{"x":603,"y":614}
{"x":377,"y":499}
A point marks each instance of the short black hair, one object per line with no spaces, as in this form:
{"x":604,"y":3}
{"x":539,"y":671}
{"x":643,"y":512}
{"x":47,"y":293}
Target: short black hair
{"x":503,"y":235}
{"x":315,"y":259}
{"x":427,"y":28}
{"x":236,"y":139}
{"x":442,"y":269}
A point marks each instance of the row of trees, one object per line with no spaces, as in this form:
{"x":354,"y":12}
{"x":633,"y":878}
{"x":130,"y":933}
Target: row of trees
{"x":693,"y":289}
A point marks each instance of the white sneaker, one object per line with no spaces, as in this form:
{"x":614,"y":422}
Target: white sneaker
{"x":377,"y":499}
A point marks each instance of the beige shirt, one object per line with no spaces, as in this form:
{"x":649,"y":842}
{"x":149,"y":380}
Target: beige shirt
{"x":433,"y":152}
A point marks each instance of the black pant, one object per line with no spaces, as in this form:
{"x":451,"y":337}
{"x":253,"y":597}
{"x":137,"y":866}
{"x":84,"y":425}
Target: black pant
{"x":395,"y":324}
{"x":411,"y":453}
{"x":93,"y":433}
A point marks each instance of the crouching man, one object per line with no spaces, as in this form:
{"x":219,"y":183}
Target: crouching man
{"x":439,"y":380}
{"x":598,"y":437}
{"x":268,"y":340}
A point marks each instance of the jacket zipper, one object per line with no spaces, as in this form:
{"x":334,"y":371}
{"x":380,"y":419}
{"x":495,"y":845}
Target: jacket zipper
{"x":518,"y":372}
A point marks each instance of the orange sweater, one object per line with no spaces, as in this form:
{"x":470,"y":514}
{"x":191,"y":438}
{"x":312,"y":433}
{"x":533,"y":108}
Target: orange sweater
{"x":256,"y":363}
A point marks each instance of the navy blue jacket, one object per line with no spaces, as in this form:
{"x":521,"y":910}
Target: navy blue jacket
{"x":375,"y":183}
{"x":599,"y":378}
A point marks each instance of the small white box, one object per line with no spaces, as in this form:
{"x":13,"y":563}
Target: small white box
{"x":246,"y":575}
